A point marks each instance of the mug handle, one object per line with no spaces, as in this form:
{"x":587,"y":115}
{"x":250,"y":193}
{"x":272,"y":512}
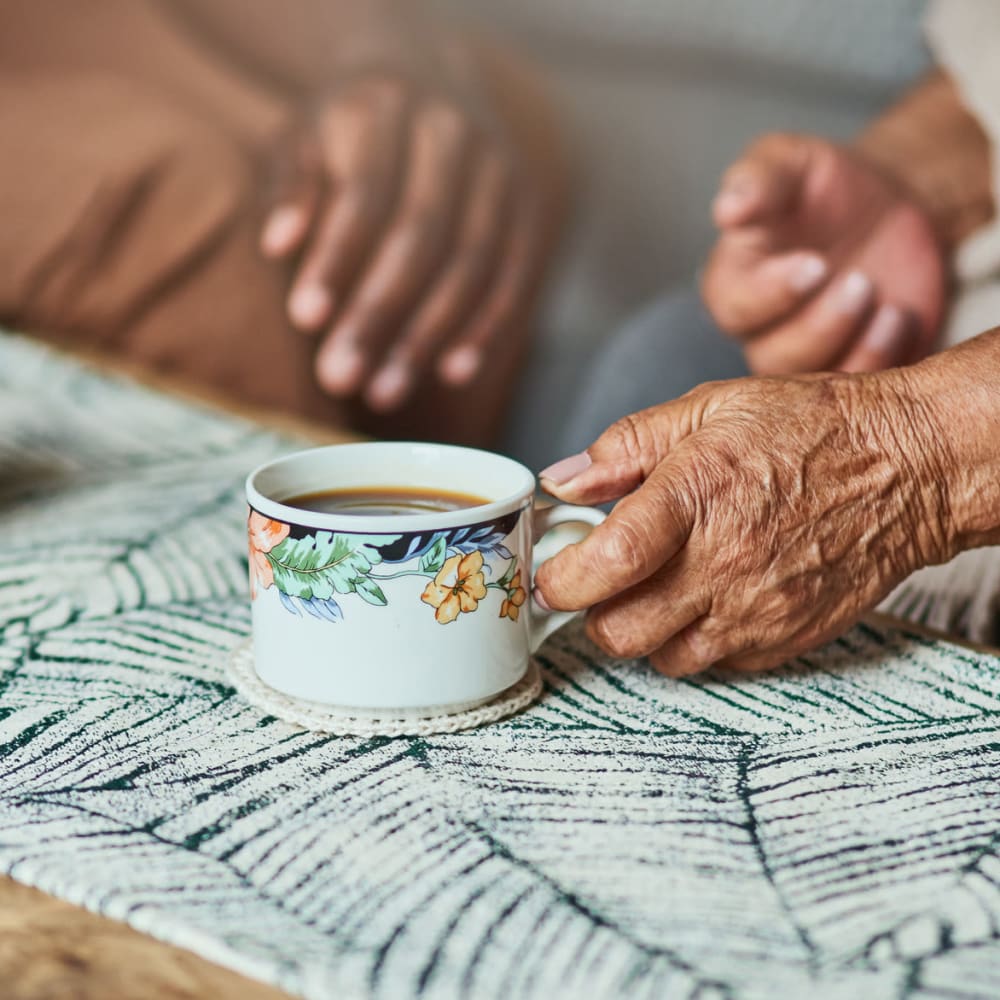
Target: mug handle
{"x":544,"y":623}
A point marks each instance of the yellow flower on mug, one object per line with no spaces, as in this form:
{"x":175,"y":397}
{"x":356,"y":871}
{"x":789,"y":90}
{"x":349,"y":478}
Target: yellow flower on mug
{"x":264,"y":534}
{"x":516,"y":596}
{"x":458,"y":587}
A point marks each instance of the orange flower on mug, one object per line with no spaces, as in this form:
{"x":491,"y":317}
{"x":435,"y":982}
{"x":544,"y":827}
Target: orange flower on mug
{"x":516,"y":596}
{"x":264,"y":534}
{"x":458,"y":587}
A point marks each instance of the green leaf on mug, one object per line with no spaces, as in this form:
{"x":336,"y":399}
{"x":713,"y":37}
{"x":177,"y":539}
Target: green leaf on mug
{"x":508,"y":575}
{"x":433,"y":559}
{"x":320,"y":565}
{"x":371,"y":591}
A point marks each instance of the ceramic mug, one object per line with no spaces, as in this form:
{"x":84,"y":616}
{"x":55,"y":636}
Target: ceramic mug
{"x":421,"y":613}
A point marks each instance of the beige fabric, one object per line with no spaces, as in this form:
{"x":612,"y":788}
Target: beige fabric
{"x":963,"y":596}
{"x":960,"y":598}
{"x":965,"y":38}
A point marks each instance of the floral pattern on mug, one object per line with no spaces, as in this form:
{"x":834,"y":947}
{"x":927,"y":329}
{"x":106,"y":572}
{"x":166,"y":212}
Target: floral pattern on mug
{"x":459,"y":587}
{"x":516,"y":596}
{"x":263,"y":535}
{"x":311,"y":570}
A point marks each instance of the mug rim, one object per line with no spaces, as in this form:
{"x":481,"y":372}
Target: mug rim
{"x":387,"y":523}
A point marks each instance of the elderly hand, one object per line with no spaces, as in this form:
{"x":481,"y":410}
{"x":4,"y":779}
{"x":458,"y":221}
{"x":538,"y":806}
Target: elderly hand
{"x":823,"y":262}
{"x":419,"y":227}
{"x":760,"y":517}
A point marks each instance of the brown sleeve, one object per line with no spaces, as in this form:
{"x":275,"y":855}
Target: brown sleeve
{"x":307,"y":45}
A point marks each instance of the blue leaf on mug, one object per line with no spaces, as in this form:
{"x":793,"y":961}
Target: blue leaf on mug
{"x":329,"y":609}
{"x":416,"y":544}
{"x":289,"y":603}
{"x":491,"y":544}
{"x":463,"y":539}
{"x":307,"y":603}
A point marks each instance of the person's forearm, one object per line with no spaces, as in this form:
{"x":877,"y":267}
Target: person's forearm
{"x":955,"y":395}
{"x":303,"y":45}
{"x":937,"y":150}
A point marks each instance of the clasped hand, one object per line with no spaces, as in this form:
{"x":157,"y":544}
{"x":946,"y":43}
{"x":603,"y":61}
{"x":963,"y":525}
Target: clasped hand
{"x":823,"y":262}
{"x":417,"y":231}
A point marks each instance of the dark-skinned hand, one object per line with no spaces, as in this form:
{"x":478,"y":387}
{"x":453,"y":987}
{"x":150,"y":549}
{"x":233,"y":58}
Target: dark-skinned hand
{"x":416,"y":227}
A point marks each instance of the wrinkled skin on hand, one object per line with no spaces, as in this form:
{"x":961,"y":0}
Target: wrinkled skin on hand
{"x":761,"y":517}
{"x":823,"y":261}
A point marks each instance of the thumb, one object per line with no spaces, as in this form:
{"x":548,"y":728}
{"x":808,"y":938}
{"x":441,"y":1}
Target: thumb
{"x":626,"y":454}
{"x":647,"y":529}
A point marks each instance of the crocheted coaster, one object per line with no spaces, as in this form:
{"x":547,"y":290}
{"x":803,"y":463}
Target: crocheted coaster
{"x":323,"y":718}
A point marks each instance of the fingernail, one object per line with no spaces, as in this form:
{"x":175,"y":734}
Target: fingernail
{"x":539,"y":600}
{"x":736,"y":182}
{"x":341,"y":370}
{"x":807,"y":272}
{"x":309,"y":306}
{"x":855,"y":292}
{"x":888,"y":325}
{"x":389,"y":387}
{"x":734,"y":192}
{"x":461,"y":365}
{"x":729,"y":202}
{"x":281,"y":229}
{"x":563,"y":471}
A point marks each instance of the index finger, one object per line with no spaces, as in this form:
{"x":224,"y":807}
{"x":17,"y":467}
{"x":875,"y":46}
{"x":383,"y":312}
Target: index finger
{"x":298,"y":186}
{"x":745,"y":289}
{"x":647,"y":528}
{"x":409,"y":254}
{"x":763,"y":183}
{"x":364,"y":145}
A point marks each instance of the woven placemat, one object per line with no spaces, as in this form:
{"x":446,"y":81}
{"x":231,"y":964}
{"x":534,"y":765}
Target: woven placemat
{"x":323,"y":718}
{"x":830,"y":830}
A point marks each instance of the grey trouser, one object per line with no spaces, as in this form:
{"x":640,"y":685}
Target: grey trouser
{"x":665,"y":350}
